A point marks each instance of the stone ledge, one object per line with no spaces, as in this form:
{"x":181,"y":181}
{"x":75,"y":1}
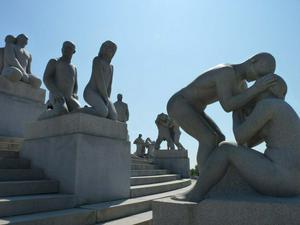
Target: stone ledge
{"x":170,"y":154}
{"x":10,"y":143}
{"x":22,"y":90}
{"x":247,"y":210}
{"x":76,"y":123}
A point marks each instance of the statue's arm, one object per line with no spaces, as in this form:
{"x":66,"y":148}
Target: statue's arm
{"x":97,"y":72}
{"x":127,"y":112}
{"x":28,"y":69}
{"x":11,"y":59}
{"x":48,"y":78}
{"x":75,"y":89}
{"x":228,"y":100}
{"x":248,"y":129}
{"x":110,"y":82}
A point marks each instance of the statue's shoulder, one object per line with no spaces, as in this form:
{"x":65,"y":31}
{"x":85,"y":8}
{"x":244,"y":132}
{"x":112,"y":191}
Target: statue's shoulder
{"x":52,"y":61}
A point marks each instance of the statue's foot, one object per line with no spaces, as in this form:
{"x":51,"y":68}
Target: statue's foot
{"x":189,"y":196}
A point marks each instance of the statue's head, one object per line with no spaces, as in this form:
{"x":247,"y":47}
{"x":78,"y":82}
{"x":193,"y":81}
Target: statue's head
{"x":22,"y":40}
{"x":68,"y":48}
{"x":10,"y":39}
{"x":140,"y":135}
{"x":107,"y":50}
{"x":279,"y":89}
{"x":120,"y":97}
{"x":260,"y":65}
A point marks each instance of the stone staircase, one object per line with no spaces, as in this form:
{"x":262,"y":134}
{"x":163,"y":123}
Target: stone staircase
{"x":148,"y":182}
{"x":28,"y":198}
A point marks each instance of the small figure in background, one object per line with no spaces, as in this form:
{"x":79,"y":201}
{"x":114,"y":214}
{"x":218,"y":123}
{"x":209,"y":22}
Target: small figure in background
{"x":122,"y":109}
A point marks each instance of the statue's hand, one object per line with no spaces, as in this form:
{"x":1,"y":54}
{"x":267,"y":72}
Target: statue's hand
{"x":265,"y":82}
{"x":25,"y":78}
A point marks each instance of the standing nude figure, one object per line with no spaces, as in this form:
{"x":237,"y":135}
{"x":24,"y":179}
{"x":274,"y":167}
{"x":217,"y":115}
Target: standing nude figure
{"x":275,"y":172}
{"x":17,"y":61}
{"x":224,"y":83}
{"x":60,"y":77}
{"x":163,"y":124}
{"x":176,"y":133}
{"x":140,"y":146}
{"x":98,"y":90}
{"x":122,"y":109}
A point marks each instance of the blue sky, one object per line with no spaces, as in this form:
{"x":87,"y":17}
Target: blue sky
{"x":162,"y":45}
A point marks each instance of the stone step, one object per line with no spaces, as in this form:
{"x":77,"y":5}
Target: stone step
{"x":107,"y":211}
{"x":60,"y":217}
{"x":153,"y":179}
{"x":9,"y":154}
{"x":14,"y":163}
{"x":148,"y":189}
{"x":21,"y":174}
{"x":30,"y":187}
{"x":20,"y":205}
{"x":138,"y":219}
{"x":137,"y":173}
{"x":143,"y":166}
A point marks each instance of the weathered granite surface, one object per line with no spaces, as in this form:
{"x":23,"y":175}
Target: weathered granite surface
{"x":20,"y":103}
{"x":88,"y":155}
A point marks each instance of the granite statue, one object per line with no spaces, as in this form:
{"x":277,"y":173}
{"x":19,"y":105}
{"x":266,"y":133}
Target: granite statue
{"x":122,"y":109}
{"x":60,"y":77}
{"x":175,"y":134}
{"x":163,"y":124}
{"x":150,"y":146}
{"x":225,"y":83}
{"x":276,"y":172}
{"x":140,"y":146}
{"x":16,"y":62}
{"x":98,"y":90}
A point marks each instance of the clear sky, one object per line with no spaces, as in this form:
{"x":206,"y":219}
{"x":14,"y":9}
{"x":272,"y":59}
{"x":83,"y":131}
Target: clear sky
{"x":162,"y":45}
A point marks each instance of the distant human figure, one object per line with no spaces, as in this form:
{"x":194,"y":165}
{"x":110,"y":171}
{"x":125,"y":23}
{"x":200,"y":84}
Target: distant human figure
{"x":122,"y":109}
{"x":150,"y":145}
{"x":140,"y":146}
{"x":175,"y":133}
{"x":275,"y":172}
{"x":225,"y":83}
{"x":163,"y":124}
{"x":60,"y":77}
{"x":17,"y":61}
{"x":98,"y":90}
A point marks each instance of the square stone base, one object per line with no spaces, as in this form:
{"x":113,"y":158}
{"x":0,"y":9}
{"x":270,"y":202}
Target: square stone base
{"x":231,"y":211}
{"x":87,"y":154}
{"x":176,"y":161}
{"x":20,"y":103}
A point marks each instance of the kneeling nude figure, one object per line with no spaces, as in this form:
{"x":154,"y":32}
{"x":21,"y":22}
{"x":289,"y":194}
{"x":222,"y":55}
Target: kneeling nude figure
{"x":277,"y":171}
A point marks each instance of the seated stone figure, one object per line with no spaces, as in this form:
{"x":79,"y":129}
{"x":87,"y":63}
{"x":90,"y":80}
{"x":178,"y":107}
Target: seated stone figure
{"x":98,"y":90}
{"x":60,"y":77}
{"x":17,"y":61}
{"x":276,"y":172}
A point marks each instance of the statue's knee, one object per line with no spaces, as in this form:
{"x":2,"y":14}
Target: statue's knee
{"x":13,"y":74}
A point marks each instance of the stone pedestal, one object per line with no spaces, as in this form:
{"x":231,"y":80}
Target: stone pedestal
{"x":20,"y":103}
{"x":176,"y":161}
{"x":88,"y":155}
{"x":228,"y":211}
{"x":231,"y":202}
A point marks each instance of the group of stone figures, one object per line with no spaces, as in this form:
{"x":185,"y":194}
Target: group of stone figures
{"x":60,"y":77}
{"x":168,"y":130}
{"x":259,"y":113}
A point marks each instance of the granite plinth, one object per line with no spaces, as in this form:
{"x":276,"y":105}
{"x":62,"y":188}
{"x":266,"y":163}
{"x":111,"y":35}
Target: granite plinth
{"x":259,"y":210}
{"x":88,"y":155}
{"x":176,"y":161}
{"x":20,"y":103}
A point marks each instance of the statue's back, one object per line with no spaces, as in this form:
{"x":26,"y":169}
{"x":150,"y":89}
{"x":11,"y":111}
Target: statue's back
{"x":1,"y":59}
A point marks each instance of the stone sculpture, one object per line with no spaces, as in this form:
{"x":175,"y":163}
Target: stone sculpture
{"x":169,"y":131}
{"x":276,"y":172}
{"x":60,"y":77}
{"x":16,"y":61}
{"x":150,"y":146}
{"x":140,"y":146}
{"x":98,"y":90}
{"x":225,"y":83}
{"x":122,"y":109}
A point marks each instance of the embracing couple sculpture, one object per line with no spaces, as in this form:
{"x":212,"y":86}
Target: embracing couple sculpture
{"x":260,"y":114}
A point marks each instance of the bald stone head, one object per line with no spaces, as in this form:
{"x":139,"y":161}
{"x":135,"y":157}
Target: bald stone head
{"x":10,"y":39}
{"x":120,"y":97}
{"x":22,"y":40}
{"x":280,"y":88}
{"x":68,"y":48}
{"x":260,"y":65}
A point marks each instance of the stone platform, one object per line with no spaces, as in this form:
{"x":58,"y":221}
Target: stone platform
{"x":20,"y":103}
{"x":88,"y":155}
{"x":228,"y":211}
{"x":176,"y":161}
